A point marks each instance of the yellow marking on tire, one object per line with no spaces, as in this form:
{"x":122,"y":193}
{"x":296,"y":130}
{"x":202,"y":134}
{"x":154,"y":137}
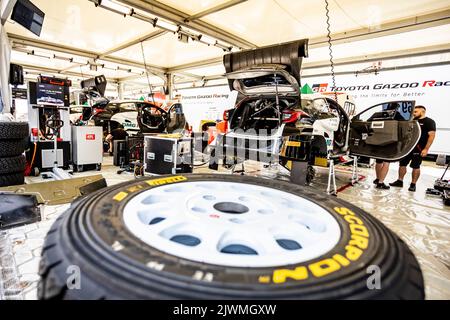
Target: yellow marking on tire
{"x":120,"y":196}
{"x":342,"y":260}
{"x":299,"y":273}
{"x":264,"y":279}
{"x":162,"y":181}
{"x":359,"y":241}
{"x":359,"y":230}
{"x":353,"y":220}
{"x":353,"y":253}
{"x":324,"y":267}
{"x":344,"y":211}
{"x":135,"y":188}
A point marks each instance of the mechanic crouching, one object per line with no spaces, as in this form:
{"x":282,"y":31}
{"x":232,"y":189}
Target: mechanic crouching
{"x":428,"y":127}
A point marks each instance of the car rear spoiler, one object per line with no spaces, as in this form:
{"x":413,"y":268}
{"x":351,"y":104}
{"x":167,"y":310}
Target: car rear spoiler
{"x":97,"y":83}
{"x":289,"y":54}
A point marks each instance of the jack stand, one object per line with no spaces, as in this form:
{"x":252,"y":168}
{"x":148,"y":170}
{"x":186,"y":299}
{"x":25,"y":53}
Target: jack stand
{"x":355,"y":175}
{"x":331,"y":188}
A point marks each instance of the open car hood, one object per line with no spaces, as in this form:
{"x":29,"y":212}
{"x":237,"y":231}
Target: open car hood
{"x":264,"y":79}
{"x":256,"y":71}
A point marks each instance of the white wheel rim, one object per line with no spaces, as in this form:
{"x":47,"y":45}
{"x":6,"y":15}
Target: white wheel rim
{"x":262,"y":221}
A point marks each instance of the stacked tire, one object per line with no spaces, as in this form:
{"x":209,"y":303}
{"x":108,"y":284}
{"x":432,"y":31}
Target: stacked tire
{"x":13,"y":141}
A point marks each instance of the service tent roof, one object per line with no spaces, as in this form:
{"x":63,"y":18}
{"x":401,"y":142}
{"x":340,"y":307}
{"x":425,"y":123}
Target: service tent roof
{"x":76,"y":33}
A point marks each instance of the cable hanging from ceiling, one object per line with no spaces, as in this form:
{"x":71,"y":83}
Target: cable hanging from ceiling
{"x":330,"y":48}
{"x":146,"y":73}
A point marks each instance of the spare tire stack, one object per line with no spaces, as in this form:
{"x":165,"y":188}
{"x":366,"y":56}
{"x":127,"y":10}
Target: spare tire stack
{"x":13,"y":141}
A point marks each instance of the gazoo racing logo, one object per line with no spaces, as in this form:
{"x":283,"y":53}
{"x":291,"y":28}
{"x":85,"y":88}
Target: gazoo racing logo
{"x":322,"y":87}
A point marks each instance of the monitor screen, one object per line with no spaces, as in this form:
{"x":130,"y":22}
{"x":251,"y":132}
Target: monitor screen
{"x":28,"y":15}
{"x":50,"y":95}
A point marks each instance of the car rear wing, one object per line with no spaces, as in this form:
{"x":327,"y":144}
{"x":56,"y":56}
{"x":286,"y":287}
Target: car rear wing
{"x":289,"y":54}
{"x":97,"y":83}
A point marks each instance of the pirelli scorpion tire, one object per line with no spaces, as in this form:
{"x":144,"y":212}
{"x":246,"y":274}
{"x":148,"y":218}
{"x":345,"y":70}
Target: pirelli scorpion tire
{"x":222,"y":237}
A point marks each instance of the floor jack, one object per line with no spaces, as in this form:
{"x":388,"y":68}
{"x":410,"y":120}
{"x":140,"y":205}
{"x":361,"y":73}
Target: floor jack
{"x":441,"y":188}
{"x":57,"y":173}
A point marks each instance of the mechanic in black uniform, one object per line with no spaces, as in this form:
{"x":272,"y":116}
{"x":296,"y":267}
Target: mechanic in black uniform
{"x":428,"y":127}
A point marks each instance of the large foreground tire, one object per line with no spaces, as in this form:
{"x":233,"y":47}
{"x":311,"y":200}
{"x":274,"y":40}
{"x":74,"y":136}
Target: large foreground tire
{"x":13,"y":130}
{"x":12,"y":165}
{"x":12,"y":148}
{"x":11,"y":179}
{"x":94,"y":251}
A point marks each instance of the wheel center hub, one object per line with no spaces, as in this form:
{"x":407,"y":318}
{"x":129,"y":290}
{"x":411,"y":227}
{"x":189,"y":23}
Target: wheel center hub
{"x":231,"y":207}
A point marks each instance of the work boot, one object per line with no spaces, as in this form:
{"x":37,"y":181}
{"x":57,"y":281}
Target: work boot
{"x":398,"y":183}
{"x":375,"y":181}
{"x":412,"y":187}
{"x":382,"y":186}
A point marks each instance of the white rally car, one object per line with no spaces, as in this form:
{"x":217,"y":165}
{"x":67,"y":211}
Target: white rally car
{"x":273,"y":122}
{"x":139,"y":117}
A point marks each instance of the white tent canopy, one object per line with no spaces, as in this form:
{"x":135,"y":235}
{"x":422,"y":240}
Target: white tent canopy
{"x":80,"y":40}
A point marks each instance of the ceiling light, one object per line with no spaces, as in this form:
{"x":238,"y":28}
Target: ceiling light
{"x":166,"y":25}
{"x":207,"y":40}
{"x":62,"y":58}
{"x":112,"y":6}
{"x":123,"y":69}
{"x":40,"y":55}
{"x":143,"y":17}
{"x":222,"y":46}
{"x":108,"y":67}
{"x":27,"y":51}
{"x":79,"y":61}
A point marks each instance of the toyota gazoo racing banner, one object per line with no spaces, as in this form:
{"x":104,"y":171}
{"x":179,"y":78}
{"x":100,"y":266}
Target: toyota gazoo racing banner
{"x":428,"y":86}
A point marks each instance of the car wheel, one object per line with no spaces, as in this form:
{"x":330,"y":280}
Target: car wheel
{"x":210,"y":236}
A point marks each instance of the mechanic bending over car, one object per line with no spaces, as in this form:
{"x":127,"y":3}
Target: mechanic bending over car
{"x":116,"y":134}
{"x":428,"y":127}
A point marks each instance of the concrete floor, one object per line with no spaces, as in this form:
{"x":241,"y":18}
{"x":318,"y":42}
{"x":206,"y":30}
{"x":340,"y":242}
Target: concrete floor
{"x":422,"y":221}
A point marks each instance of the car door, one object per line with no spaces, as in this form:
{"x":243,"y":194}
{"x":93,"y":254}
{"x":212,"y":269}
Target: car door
{"x":127,"y":116}
{"x":385,"y":131}
{"x":177,"y":120}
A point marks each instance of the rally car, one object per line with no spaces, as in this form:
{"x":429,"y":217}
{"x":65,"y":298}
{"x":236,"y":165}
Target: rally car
{"x":273,"y":122}
{"x":139,"y":117}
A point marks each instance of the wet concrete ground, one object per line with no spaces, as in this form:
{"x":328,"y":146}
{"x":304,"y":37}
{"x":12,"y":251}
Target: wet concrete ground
{"x":422,"y":221}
